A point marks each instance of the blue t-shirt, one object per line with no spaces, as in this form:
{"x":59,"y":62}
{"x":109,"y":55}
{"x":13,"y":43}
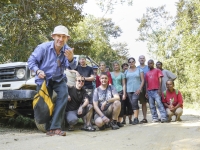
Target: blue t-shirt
{"x":133,"y":80}
{"x":145,"y":69}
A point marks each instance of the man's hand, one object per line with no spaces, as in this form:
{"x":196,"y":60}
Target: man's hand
{"x":146,"y":95}
{"x":105,"y":119}
{"x":159,"y":92}
{"x":69,"y":54}
{"x":80,"y":110}
{"x":137,"y":92}
{"x":40,"y":74}
{"x":69,"y":98}
{"x":103,"y":105}
{"x":124,"y":97}
{"x":171,"y":108}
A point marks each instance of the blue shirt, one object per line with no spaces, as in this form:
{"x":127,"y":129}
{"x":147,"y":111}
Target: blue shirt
{"x":145,"y":69}
{"x":133,"y":80}
{"x":45,"y":58}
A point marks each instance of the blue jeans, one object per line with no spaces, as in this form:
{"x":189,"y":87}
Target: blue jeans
{"x":154,"y":96}
{"x":61,"y":90}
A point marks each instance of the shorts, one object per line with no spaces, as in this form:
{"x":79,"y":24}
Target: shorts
{"x":142,"y":97}
{"x":127,"y":107}
{"x":108,"y":113}
{"x":90,"y":95}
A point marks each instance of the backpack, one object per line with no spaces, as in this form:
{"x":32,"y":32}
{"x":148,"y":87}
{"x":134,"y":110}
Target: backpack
{"x":42,"y":105}
{"x":165,"y":93}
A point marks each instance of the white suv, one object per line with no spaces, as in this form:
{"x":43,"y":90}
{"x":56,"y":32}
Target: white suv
{"x":17,"y":88}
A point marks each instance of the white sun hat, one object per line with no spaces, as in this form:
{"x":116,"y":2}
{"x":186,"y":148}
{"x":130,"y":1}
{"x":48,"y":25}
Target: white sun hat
{"x":60,"y":30}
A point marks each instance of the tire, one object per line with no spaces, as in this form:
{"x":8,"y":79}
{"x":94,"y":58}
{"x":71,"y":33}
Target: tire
{"x":40,"y":127}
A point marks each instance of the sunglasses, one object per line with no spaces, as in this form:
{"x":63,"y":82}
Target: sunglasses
{"x":81,"y":81}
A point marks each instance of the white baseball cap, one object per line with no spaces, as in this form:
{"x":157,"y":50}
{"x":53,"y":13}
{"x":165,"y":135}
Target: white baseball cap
{"x":61,"y":30}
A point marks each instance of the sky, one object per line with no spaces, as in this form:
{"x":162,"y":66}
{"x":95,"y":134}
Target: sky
{"x":125,"y":17}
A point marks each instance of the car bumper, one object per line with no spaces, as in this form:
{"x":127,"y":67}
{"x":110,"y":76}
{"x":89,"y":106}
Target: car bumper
{"x":17,"y":95}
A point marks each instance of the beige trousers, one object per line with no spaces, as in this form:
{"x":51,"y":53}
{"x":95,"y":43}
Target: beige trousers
{"x":178,"y":112}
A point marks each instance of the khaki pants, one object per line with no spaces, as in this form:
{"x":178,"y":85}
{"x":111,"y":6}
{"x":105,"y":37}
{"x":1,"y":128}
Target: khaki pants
{"x":178,"y":112}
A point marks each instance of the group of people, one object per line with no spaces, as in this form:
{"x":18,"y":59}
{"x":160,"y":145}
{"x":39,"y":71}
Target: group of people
{"x":101,"y":97}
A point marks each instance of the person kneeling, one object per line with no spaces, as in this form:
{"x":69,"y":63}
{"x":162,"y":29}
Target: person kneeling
{"x":173,"y":101}
{"x":78,"y":106}
{"x":106,"y":104}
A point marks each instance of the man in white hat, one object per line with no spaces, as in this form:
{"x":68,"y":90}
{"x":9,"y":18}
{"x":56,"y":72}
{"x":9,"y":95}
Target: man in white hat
{"x":49,"y":60}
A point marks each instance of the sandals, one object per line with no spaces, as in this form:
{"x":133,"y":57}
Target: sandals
{"x":56,"y":132}
{"x":144,"y":121}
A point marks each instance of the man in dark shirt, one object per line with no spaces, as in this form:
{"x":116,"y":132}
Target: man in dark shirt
{"x":87,"y":72}
{"x":78,"y":106}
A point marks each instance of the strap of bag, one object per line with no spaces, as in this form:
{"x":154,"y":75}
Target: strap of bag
{"x":165,"y":93}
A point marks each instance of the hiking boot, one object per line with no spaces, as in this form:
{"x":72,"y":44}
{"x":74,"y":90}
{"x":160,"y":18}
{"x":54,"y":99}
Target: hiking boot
{"x":144,"y":121}
{"x":102,"y":128}
{"x":114,"y":125}
{"x":135,"y":121}
{"x":120,"y":124}
{"x":124,"y":122}
{"x":107,"y":125}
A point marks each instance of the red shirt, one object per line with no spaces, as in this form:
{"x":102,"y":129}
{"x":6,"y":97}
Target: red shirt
{"x":152,"y":79}
{"x":98,"y":83}
{"x":177,"y":99}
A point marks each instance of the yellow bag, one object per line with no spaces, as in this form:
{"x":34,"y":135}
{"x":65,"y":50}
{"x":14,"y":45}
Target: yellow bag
{"x":42,"y":105}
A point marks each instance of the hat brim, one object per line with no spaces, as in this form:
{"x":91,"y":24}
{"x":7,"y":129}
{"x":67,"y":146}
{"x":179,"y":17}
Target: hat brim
{"x":60,"y":33}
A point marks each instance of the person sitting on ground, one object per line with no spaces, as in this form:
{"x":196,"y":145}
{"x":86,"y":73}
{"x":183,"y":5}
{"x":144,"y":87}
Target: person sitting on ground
{"x":78,"y":106}
{"x":173,"y":101}
{"x":106,"y":104}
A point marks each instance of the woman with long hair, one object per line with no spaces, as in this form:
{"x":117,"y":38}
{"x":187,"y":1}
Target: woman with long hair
{"x":118,"y":81}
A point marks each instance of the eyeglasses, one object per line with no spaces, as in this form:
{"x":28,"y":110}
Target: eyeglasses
{"x":81,"y":81}
{"x":131,"y":61}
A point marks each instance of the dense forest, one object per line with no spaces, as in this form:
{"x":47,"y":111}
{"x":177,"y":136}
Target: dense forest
{"x":175,"y":42}
{"x":172,"y":40}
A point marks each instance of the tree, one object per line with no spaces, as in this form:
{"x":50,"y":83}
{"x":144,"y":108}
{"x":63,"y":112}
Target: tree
{"x":25,"y":23}
{"x":97,"y":32}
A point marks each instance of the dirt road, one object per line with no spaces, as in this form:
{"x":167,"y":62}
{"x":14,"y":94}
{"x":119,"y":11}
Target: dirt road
{"x":183,"y":135}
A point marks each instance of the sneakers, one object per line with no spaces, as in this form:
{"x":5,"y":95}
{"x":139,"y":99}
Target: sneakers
{"x":113,"y":125}
{"x":144,"y":121}
{"x":120,"y":124}
{"x":164,"y":121}
{"x":155,"y":121}
{"x":135,"y":121}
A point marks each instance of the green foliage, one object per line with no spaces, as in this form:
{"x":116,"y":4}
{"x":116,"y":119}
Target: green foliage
{"x":21,"y":122}
{"x":176,"y":43}
{"x":26,"y":23}
{"x":97,"y":32}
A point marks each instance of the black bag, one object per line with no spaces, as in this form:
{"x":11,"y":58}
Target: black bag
{"x":42,"y":105}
